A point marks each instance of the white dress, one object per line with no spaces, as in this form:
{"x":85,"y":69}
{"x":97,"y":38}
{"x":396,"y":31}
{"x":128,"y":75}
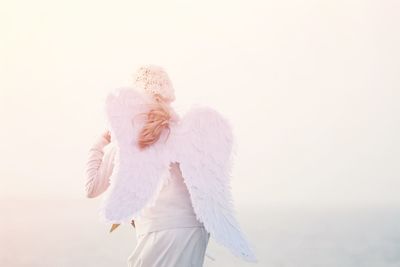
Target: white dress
{"x":168,"y":233}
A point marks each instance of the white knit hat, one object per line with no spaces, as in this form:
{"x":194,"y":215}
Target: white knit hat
{"x":153,"y":79}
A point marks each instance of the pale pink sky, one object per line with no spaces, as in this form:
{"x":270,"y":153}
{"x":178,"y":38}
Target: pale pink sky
{"x":312,"y":88}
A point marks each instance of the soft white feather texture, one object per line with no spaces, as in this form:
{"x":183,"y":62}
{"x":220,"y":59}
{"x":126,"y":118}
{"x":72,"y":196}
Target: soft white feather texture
{"x":201,"y":141}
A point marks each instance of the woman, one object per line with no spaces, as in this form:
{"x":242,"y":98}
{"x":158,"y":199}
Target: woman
{"x":173,"y":212}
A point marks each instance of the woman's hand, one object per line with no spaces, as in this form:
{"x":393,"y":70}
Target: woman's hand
{"x":107,"y":135}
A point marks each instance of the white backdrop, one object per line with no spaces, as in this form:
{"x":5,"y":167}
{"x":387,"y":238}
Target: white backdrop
{"x":311,"y":87}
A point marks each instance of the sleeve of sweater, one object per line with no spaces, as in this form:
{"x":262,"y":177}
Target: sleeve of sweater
{"x":99,"y":167}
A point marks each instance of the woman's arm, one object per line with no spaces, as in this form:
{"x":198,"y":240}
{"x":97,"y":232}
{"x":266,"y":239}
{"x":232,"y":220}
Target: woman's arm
{"x":99,"y":167}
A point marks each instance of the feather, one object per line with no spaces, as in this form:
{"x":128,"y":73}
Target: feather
{"x":201,"y":141}
{"x":206,"y":153}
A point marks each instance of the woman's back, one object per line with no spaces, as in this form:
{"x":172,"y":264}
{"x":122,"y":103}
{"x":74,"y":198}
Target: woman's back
{"x":172,"y":208}
{"x":168,"y":233}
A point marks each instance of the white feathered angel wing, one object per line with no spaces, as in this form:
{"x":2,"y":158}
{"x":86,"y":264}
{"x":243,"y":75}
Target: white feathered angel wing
{"x":205,"y":153}
{"x":137,"y":175}
{"x":202,"y":142}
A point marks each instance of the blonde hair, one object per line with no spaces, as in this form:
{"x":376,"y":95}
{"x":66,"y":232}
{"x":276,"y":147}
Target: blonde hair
{"x":157,"y":120}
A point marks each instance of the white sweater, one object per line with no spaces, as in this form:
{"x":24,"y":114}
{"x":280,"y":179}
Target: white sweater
{"x":99,"y":167}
